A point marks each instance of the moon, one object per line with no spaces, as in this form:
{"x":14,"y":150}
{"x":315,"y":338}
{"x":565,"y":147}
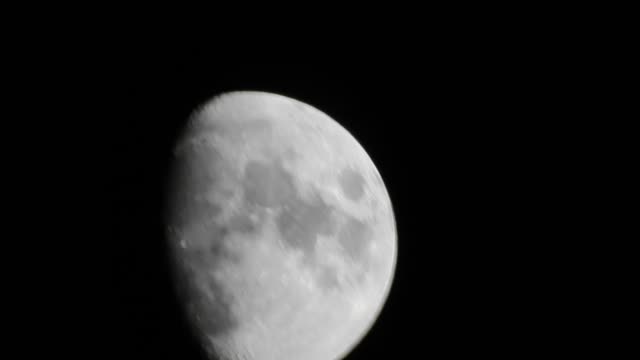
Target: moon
{"x":281,"y":229}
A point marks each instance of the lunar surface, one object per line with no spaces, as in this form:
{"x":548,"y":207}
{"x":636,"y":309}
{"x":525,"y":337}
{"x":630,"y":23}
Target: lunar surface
{"x":282,"y":230}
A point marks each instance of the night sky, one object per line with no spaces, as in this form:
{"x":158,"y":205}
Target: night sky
{"x":443,"y":132}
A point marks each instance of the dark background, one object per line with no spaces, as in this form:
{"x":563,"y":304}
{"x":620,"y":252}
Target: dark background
{"x":446,"y":134}
{"x":484,"y":122}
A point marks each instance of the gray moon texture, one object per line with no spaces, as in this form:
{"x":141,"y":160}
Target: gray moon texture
{"x":281,"y":229}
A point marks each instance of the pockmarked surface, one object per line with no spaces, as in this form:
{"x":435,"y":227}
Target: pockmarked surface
{"x":282,"y":230}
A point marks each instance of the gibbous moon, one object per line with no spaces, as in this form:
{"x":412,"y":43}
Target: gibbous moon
{"x":281,"y":229}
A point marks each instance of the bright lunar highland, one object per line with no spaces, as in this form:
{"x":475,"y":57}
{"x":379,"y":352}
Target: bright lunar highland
{"x":281,"y":228}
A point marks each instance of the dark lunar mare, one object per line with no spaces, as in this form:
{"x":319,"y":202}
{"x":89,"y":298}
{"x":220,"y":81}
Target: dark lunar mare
{"x":327,"y":278}
{"x":352,"y":184}
{"x":267,"y":184}
{"x":354,"y":236}
{"x":301,"y":220}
